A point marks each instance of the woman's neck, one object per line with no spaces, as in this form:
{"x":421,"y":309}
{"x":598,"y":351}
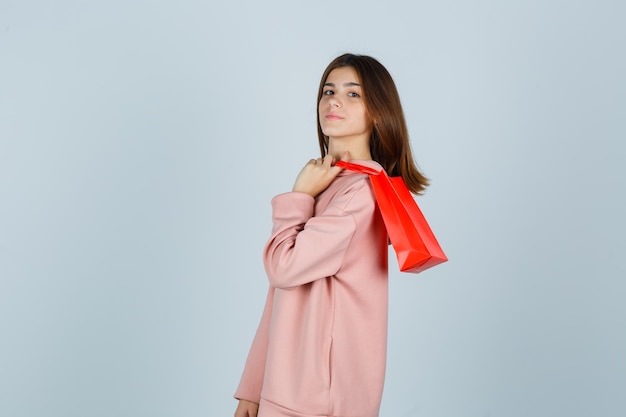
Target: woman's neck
{"x":359,"y":148}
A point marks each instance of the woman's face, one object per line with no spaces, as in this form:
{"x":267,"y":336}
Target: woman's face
{"x":342,"y":110}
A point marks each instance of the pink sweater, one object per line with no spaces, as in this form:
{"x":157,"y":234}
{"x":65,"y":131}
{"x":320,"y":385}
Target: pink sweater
{"x":320,"y":349}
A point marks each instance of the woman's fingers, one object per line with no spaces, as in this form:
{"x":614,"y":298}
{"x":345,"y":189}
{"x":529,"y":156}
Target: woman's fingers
{"x":317,"y":174}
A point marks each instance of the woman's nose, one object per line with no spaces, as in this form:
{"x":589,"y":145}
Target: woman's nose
{"x":334,"y":102}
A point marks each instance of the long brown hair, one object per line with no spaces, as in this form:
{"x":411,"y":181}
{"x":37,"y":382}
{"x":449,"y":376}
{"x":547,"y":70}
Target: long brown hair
{"x":389,"y":141}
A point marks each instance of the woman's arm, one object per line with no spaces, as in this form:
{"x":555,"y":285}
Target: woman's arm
{"x":303,"y":247}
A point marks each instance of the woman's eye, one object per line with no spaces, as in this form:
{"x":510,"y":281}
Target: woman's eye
{"x":328,"y":93}
{"x":353,"y":94}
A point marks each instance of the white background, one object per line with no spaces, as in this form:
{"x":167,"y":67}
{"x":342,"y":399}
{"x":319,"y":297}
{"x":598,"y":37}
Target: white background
{"x":141,"y":143}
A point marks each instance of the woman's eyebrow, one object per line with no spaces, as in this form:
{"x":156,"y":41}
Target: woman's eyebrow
{"x":350,"y":84}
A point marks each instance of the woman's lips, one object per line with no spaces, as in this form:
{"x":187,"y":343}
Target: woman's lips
{"x":333,"y":116}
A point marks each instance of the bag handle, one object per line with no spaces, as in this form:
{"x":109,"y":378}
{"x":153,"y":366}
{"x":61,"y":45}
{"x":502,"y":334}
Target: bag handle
{"x":356,"y":168}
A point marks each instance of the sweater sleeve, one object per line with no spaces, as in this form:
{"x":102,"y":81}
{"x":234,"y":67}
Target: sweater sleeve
{"x":251,"y":382}
{"x":304,"y":247}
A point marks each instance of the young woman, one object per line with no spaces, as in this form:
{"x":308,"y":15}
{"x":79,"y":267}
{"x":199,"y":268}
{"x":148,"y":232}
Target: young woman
{"x":320,"y":349}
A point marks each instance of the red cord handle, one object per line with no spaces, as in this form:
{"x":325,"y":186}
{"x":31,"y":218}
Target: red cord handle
{"x":357,"y":168}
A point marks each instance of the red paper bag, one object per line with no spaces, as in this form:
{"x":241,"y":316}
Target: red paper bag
{"x":412,"y":239}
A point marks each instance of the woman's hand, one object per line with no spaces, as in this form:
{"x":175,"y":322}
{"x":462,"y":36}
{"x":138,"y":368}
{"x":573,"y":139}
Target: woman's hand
{"x":246,"y":409}
{"x":317,"y":175}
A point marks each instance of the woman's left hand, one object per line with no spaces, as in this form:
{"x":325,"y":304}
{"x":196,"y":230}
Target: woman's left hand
{"x":317,"y":175}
